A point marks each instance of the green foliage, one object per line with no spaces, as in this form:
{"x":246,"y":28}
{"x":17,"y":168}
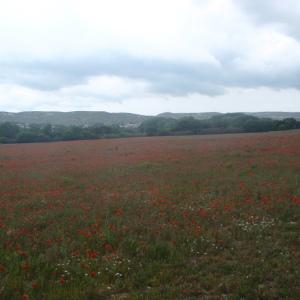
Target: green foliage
{"x":223,"y":123}
{"x":161,"y":252}
{"x":8,"y":131}
{"x":156,"y":126}
{"x":191,"y":125}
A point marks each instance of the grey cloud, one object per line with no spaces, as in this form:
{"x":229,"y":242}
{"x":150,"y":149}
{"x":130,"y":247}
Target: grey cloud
{"x":164,"y":77}
{"x":285,"y":13}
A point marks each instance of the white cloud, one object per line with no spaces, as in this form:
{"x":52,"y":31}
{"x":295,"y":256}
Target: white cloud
{"x":107,"y":87}
{"x":71,"y":54}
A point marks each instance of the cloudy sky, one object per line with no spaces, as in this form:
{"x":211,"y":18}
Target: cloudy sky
{"x":150,"y":56}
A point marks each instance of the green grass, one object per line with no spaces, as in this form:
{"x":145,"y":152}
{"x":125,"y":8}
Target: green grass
{"x":220,"y":221}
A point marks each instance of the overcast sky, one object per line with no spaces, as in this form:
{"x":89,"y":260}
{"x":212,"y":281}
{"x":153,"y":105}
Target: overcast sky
{"x":150,"y":56}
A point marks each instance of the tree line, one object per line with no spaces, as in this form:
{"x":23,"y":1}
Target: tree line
{"x":156,"y":126}
{"x":226,"y":123}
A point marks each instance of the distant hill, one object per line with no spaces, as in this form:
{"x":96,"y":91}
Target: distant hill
{"x":89,"y":118}
{"x":208,"y":115}
{"x":199,"y":116}
{"x":79,"y":118}
{"x":276,"y":115}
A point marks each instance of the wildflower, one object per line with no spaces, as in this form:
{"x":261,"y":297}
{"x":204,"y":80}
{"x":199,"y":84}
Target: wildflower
{"x":93,"y":274}
{"x":34,"y":285}
{"x":185,"y":214}
{"x":296,"y":200}
{"x":25,"y":266}
{"x":108,"y":247}
{"x":92,"y":254}
{"x":2,"y":269}
{"x":119,"y":212}
{"x":25,"y":296}
{"x":265,"y":200}
{"x":202,"y":212}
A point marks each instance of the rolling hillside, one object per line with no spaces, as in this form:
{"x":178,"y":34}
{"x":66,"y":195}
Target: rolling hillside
{"x":89,"y":118}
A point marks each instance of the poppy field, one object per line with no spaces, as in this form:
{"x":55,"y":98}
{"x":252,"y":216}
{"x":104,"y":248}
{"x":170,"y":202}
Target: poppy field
{"x":193,"y":217}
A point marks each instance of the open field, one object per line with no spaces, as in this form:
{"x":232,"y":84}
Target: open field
{"x":194,"y":217}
